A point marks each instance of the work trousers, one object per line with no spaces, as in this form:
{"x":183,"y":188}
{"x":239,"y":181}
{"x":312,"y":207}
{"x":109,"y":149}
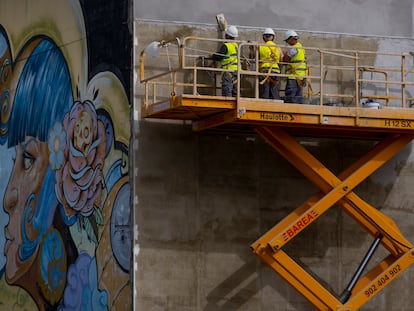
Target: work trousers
{"x":269,"y":88}
{"x":293,"y":92}
{"x":229,"y":84}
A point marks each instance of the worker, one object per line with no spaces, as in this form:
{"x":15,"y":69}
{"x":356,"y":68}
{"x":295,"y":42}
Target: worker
{"x":227,"y":56}
{"x":269,"y":58}
{"x":295,"y":57}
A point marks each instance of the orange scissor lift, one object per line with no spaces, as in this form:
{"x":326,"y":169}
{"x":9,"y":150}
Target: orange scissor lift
{"x":188,"y":90}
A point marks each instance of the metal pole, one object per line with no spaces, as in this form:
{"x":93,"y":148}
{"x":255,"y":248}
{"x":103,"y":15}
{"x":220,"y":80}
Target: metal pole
{"x":348,"y":291}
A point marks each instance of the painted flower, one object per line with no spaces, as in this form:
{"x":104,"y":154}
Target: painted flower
{"x":79,"y":181}
{"x":82,"y":292}
{"x":57,"y":146}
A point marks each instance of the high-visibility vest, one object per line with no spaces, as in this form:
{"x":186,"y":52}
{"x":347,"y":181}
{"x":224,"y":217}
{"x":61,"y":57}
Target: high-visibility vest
{"x":269,"y":56}
{"x":297,"y":64}
{"x":230,"y":61}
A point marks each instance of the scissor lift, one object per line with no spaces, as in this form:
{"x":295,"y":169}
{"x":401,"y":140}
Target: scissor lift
{"x":391,"y":125}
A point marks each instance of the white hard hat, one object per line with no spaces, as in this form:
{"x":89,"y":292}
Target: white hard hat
{"x":269,"y":31}
{"x":290,"y":33}
{"x":232,"y":31}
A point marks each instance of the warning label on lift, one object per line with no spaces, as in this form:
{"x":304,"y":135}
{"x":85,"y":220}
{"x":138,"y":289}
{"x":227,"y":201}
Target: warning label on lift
{"x":271,"y":116}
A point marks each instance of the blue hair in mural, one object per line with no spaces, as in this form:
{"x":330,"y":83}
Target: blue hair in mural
{"x":44,"y":121}
{"x":64,"y":214}
{"x":43,"y":94}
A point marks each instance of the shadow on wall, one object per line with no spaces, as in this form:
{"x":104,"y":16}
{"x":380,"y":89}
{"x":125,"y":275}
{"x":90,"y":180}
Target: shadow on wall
{"x":204,"y":198}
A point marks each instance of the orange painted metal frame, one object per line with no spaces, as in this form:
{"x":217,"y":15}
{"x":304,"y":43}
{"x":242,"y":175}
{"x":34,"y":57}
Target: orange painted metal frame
{"x":335,"y":190}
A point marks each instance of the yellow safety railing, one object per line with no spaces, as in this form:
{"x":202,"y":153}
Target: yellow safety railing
{"x":335,"y":77}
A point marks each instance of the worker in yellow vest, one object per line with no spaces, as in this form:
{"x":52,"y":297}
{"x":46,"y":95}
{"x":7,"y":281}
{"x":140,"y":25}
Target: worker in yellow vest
{"x":295,"y":57}
{"x":227,"y":56}
{"x":269,"y":58}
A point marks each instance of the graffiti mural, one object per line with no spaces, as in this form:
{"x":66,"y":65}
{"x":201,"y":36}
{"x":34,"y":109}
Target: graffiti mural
{"x":65,"y":241}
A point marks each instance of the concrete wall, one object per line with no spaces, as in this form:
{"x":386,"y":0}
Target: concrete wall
{"x":366,"y":17}
{"x":201,"y":199}
{"x":65,"y":241}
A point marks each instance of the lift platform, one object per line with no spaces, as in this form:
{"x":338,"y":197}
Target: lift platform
{"x":348,"y":95}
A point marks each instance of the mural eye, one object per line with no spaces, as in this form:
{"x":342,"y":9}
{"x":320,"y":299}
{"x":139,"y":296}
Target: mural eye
{"x":28,"y":161}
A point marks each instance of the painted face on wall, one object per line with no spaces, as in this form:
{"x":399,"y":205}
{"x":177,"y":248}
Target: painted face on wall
{"x":20,"y":203}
